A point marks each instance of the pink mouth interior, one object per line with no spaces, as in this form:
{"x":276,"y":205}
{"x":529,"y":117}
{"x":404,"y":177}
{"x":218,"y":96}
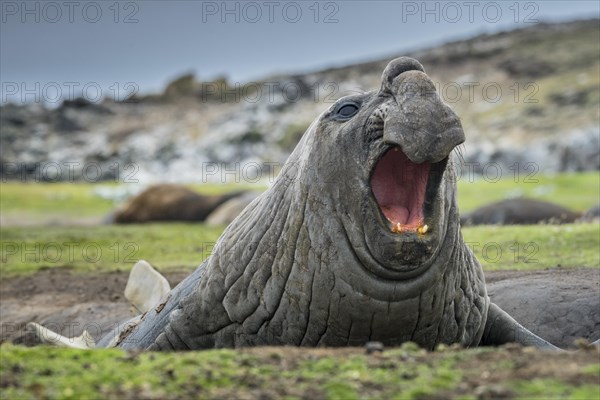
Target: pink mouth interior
{"x":399,"y":188}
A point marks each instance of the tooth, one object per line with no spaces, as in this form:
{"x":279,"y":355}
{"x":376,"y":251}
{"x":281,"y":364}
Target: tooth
{"x":395,"y":149}
{"x":422,"y":229}
{"x":397,"y":228}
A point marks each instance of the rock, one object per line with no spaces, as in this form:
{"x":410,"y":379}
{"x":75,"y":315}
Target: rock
{"x":373,"y":347}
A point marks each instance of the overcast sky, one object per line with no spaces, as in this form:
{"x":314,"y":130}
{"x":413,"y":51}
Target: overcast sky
{"x":70,"y":44}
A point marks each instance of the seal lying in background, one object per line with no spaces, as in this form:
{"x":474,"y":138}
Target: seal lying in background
{"x":357,"y":240}
{"x":592,"y":214}
{"x":519,"y":211}
{"x":228,"y":211}
{"x":169,"y":202}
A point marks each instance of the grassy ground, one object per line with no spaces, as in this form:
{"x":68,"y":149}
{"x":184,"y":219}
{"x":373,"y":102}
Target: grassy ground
{"x":575,"y":191}
{"x":69,"y":199}
{"x":535,"y":246}
{"x":107,"y":248}
{"x":402,"y":373}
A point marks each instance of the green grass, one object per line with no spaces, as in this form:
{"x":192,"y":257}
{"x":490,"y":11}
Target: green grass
{"x":535,"y":246}
{"x":578,"y":191}
{"x":25,"y":250}
{"x":551,"y":389}
{"x":406,"y":372}
{"x":76,"y":199}
{"x":105,"y":248}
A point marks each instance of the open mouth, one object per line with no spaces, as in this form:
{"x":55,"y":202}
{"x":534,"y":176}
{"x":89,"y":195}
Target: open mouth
{"x":400,"y":187}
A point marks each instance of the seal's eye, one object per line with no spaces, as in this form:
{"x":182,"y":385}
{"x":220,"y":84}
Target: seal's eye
{"x":346,"y":111}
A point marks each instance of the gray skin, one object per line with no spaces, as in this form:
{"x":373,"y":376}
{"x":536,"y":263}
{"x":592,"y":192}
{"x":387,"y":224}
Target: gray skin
{"x":313,"y":261}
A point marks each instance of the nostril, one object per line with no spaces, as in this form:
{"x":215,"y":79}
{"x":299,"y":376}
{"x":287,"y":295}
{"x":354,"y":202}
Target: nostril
{"x":397,"y":67}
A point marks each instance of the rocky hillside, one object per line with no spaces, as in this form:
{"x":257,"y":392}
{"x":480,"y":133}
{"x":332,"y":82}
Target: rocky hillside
{"x":528,"y":98}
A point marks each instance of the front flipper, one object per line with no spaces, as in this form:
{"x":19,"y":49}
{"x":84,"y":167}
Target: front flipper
{"x":501,"y":328}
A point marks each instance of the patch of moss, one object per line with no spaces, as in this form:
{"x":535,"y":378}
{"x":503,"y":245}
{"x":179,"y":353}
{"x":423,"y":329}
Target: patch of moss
{"x":292,"y":373}
{"x":552,"y":389}
{"x":593,"y":370}
{"x":71,"y":374}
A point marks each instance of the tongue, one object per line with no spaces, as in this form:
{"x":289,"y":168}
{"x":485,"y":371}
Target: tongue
{"x":399,"y":188}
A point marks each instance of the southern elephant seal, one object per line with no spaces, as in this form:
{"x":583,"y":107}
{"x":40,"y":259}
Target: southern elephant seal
{"x":559,"y":304}
{"x":519,"y":211}
{"x":592,"y":214}
{"x":357,"y":240}
{"x":228,"y":211}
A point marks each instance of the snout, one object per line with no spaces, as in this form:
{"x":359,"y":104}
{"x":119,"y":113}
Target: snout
{"x":417,"y":119}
